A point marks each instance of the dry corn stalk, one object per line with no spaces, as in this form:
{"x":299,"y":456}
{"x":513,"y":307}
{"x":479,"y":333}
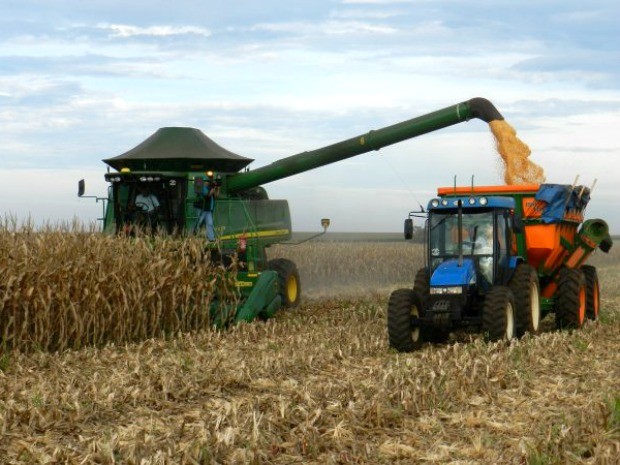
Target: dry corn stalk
{"x":68,"y":288}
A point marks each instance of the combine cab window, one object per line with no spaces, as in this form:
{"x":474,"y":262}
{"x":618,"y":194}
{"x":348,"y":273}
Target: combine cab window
{"x":132,"y":212}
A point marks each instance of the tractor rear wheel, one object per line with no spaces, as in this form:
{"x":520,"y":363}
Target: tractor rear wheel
{"x":498,"y":314}
{"x":403,"y":305}
{"x":570,"y":310}
{"x":526,"y":290}
{"x":289,"y":283}
{"x":593,"y":292}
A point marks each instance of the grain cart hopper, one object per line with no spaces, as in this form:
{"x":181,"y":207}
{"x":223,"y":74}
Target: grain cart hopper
{"x":533,"y":263}
{"x":174,"y":161}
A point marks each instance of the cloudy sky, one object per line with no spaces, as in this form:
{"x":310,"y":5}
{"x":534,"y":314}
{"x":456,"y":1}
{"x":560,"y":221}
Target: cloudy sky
{"x":82,"y":81}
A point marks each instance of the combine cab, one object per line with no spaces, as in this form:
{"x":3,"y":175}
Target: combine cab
{"x":500,"y":258}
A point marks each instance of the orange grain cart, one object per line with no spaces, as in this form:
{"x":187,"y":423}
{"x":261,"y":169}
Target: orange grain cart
{"x":553,"y":238}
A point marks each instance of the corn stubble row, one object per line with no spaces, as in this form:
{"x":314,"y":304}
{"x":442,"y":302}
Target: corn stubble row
{"x":68,"y":288}
{"x":249,"y":395}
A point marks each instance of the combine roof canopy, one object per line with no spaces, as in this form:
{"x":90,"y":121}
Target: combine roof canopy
{"x":179,"y":149}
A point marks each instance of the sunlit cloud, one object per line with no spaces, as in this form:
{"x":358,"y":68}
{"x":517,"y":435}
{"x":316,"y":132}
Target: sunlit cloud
{"x":125,"y":30}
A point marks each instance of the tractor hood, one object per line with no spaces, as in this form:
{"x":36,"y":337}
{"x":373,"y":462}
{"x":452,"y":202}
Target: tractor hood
{"x":449,"y":273}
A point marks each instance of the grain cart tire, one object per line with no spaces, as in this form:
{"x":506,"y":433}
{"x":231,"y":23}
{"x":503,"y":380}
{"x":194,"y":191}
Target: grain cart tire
{"x":593,"y":292}
{"x":571,"y":294}
{"x":526,"y":290}
{"x":498,"y":314}
{"x":289,"y":283}
{"x":403,"y":336}
{"x":421,"y":285}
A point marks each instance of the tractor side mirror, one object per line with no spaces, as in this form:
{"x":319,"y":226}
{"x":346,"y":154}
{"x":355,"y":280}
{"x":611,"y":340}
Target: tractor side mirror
{"x":325,"y":223}
{"x":409,"y":228}
{"x":81,"y":187}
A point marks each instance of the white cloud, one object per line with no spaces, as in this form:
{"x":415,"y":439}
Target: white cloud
{"x":125,"y":30}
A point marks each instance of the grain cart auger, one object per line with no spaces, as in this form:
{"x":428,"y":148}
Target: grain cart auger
{"x":174,"y":163}
{"x":500,"y":258}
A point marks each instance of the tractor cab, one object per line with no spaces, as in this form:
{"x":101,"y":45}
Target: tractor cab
{"x":469,"y":243}
{"x":142,"y":201}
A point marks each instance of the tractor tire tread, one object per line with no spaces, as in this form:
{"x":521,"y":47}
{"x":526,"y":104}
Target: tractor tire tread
{"x":494,"y":318}
{"x":523,"y":279}
{"x":399,"y":320}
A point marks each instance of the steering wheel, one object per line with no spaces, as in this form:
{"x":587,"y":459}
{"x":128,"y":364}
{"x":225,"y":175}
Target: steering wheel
{"x":142,"y":206}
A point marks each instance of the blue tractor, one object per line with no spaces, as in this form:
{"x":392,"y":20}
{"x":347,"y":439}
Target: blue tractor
{"x":499,"y":258}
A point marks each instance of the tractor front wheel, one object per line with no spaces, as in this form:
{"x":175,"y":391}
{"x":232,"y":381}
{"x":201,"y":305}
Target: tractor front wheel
{"x":526,"y":290}
{"x":498,"y":314}
{"x":289,"y":283}
{"x":403,"y":305}
{"x":570,"y":310}
{"x":593,"y":292}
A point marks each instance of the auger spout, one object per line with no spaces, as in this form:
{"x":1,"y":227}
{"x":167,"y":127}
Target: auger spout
{"x":373,"y":140}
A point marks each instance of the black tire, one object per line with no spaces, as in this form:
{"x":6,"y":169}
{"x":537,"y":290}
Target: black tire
{"x":593,"y":292}
{"x":526,"y":290}
{"x":289,"y":283}
{"x":498,"y":314}
{"x":570,"y":309}
{"x":403,"y":304}
{"x":422,"y":286}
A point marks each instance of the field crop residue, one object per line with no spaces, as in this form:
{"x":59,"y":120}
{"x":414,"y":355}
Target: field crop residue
{"x":313,"y":385}
{"x":518,"y":168}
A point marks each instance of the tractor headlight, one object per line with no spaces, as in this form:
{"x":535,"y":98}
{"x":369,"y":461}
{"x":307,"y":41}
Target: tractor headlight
{"x":444,"y":202}
{"x":483,"y":201}
{"x":435,"y":203}
{"x":446,"y":290}
{"x":472,"y":200}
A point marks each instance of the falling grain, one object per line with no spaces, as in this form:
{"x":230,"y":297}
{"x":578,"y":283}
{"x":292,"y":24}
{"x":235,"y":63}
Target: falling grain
{"x":518,"y":168}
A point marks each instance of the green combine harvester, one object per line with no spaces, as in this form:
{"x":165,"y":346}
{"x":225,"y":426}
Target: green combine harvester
{"x":174,"y":163}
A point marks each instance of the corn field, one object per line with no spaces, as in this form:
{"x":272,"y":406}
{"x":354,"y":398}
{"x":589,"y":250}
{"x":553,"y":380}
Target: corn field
{"x":314,"y":385}
{"x":69,"y":288}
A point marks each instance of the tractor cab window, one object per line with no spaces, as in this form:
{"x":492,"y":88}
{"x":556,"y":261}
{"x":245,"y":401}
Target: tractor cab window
{"x":476,"y":236}
{"x":149,"y":206}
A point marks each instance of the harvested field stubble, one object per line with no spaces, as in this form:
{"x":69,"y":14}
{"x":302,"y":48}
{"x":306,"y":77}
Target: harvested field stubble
{"x":351,"y":269}
{"x":319,"y":385}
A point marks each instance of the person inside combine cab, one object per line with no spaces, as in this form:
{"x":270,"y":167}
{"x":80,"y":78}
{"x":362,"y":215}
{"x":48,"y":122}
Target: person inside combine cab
{"x":146,"y":201}
{"x":205,"y":205}
{"x":146,"y":208}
